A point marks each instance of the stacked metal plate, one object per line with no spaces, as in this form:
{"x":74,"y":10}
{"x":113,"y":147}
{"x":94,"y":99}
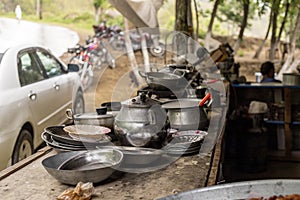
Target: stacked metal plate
{"x":57,"y":138}
{"x":185,"y":142}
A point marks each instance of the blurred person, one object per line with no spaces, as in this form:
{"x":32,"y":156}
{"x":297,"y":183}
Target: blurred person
{"x":18,"y":12}
{"x":267,"y":70}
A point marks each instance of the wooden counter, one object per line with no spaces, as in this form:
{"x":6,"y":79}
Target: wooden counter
{"x":31,"y":181}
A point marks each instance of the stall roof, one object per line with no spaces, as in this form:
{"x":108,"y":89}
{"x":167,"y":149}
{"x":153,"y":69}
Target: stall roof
{"x":141,"y":13}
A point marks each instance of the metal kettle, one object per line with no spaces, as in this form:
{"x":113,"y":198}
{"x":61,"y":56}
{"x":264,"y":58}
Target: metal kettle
{"x":139,"y":120}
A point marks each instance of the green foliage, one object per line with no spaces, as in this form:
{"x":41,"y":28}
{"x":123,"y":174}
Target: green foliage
{"x":232,"y":11}
{"x":114,"y":21}
{"x":74,"y":13}
{"x":262,"y":6}
{"x":240,"y":53}
{"x":202,"y":34}
{"x":99,"y":3}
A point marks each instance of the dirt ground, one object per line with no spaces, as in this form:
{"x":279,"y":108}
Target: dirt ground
{"x":115,"y":85}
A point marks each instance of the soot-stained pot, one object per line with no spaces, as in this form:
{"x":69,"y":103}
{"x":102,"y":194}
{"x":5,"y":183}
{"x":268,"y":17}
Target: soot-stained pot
{"x":140,"y":121}
{"x":186,"y":114}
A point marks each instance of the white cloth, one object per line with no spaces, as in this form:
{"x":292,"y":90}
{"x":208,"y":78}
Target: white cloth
{"x":141,"y":13}
{"x":257,"y":107}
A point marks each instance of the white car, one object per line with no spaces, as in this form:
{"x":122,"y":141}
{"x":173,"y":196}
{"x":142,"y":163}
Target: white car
{"x":36,"y":88}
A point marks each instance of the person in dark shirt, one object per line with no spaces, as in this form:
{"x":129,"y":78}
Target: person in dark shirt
{"x":267,"y":70}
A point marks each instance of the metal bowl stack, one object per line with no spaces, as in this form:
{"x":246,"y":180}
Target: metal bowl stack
{"x":185,"y":142}
{"x":60,"y":140}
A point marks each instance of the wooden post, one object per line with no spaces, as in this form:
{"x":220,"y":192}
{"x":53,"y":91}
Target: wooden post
{"x":144,"y":51}
{"x":132,"y":61}
{"x":287,"y":121}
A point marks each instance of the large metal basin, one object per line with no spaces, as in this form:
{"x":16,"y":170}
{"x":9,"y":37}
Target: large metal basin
{"x":241,"y":190}
{"x":88,"y":166}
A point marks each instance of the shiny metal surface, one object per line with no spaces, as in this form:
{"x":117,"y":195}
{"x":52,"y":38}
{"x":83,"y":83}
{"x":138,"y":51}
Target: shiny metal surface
{"x":241,"y":190}
{"x":185,"y":143}
{"x":86,"y":166}
{"x":185,"y":114}
{"x":291,"y":79}
{"x":165,"y":81}
{"x":93,"y":118}
{"x":139,"y":155}
{"x":145,"y":118}
{"x":58,"y":134}
{"x":142,"y":160}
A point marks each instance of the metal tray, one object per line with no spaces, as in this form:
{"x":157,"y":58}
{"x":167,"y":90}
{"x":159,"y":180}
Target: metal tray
{"x":58,"y":134}
{"x":56,"y":144}
{"x":241,"y":190}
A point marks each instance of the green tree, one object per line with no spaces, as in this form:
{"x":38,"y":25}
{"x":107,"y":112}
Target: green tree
{"x":39,"y":12}
{"x":184,"y":25}
{"x":263,"y":6}
{"x":211,"y":22}
{"x":237,"y":13}
{"x":275,"y":12}
{"x":246,"y":5}
{"x":98,"y":5}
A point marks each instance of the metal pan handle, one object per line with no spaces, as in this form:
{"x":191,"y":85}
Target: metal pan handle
{"x":69,"y":114}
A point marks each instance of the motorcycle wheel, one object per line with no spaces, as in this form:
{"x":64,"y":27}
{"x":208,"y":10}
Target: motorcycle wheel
{"x":96,"y":58}
{"x":117,"y":43}
{"x":158,"y":51}
{"x":75,"y":60}
{"x":87,"y":77}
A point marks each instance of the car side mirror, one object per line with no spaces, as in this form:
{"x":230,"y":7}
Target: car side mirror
{"x":73,"y":67}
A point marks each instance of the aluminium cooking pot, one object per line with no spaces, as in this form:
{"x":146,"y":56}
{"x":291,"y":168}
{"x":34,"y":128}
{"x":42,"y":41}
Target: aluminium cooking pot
{"x":165,"y":81}
{"x":101,"y":119}
{"x":186,"y":114}
{"x":291,"y":79}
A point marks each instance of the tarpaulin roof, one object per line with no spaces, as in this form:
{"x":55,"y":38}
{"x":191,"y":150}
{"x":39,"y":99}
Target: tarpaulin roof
{"x":141,"y":13}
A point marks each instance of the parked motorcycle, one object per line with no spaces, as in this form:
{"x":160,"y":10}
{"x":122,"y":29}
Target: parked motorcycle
{"x":99,"y":54}
{"x":117,"y":41}
{"x":104,"y":31}
{"x":82,"y":58}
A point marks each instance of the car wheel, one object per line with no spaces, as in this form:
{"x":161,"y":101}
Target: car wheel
{"x":78,"y":106}
{"x":23,"y":147}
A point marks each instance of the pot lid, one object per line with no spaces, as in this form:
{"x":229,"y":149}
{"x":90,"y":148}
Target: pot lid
{"x":93,"y":115}
{"x":181,"y":103}
{"x":140,"y":102}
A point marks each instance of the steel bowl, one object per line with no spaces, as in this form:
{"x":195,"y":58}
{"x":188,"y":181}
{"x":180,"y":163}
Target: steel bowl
{"x":241,"y":190}
{"x":139,"y":155}
{"x":86,"y":166}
